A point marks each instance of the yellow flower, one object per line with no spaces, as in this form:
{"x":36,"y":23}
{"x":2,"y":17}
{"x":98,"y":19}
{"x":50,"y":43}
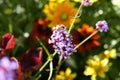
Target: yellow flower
{"x":58,"y":1}
{"x":93,"y":1}
{"x":67,"y":75}
{"x":96,"y":67}
{"x":64,"y":14}
{"x":49,"y":9}
{"x":61,"y":12}
{"x":109,"y":54}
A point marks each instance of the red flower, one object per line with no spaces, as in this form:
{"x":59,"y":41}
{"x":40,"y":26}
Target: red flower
{"x":8,"y":42}
{"x":2,"y":52}
{"x":83,"y":33}
{"x":41,"y":29}
{"x":32,"y":59}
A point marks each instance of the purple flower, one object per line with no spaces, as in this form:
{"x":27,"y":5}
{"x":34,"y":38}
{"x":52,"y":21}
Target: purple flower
{"x":7,"y":69}
{"x":62,"y":41}
{"x":102,"y":26}
{"x":86,"y":2}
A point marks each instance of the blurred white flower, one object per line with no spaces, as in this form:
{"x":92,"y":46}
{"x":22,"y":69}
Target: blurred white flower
{"x":106,"y":46}
{"x":113,"y":42}
{"x":26,"y":34}
{"x":116,"y":2}
{"x":100,"y":12}
{"x":1,"y":1}
{"x":19,"y":9}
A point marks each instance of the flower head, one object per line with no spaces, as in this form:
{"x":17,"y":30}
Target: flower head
{"x":83,"y":33}
{"x":86,"y":2}
{"x":8,"y":41}
{"x":8,"y":69}
{"x":32,"y":59}
{"x":93,"y":1}
{"x":96,"y":67}
{"x":60,"y":13}
{"x":62,"y":41}
{"x":67,"y":75}
{"x":41,"y":29}
{"x":102,"y":26}
{"x":109,"y":54}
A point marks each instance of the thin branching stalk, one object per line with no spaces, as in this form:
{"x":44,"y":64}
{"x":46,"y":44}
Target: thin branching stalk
{"x":10,"y":26}
{"x":76,"y":15}
{"x":51,"y":70}
{"x":46,"y":50}
{"x":45,"y":64}
{"x":86,"y":39}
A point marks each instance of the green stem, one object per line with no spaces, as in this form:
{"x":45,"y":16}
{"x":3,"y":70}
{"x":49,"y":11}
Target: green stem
{"x":59,"y":64}
{"x":60,"y":59}
{"x":71,"y":26}
{"x":54,"y":53}
{"x":51,"y":70}
{"x":45,"y":64}
{"x":46,"y":50}
{"x":10,"y":27}
{"x":86,"y":39}
{"x":38,"y":77}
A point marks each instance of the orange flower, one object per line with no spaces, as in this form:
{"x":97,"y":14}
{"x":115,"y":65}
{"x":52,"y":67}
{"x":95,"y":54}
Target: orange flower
{"x":83,"y":33}
{"x":41,"y":29}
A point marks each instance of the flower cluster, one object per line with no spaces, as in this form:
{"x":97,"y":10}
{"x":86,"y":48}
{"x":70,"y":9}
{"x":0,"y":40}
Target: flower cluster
{"x":86,"y":2}
{"x":62,"y":41}
{"x":102,"y":26}
{"x":93,"y":1}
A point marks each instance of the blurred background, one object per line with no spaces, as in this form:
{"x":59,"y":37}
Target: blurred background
{"x":27,"y":19}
